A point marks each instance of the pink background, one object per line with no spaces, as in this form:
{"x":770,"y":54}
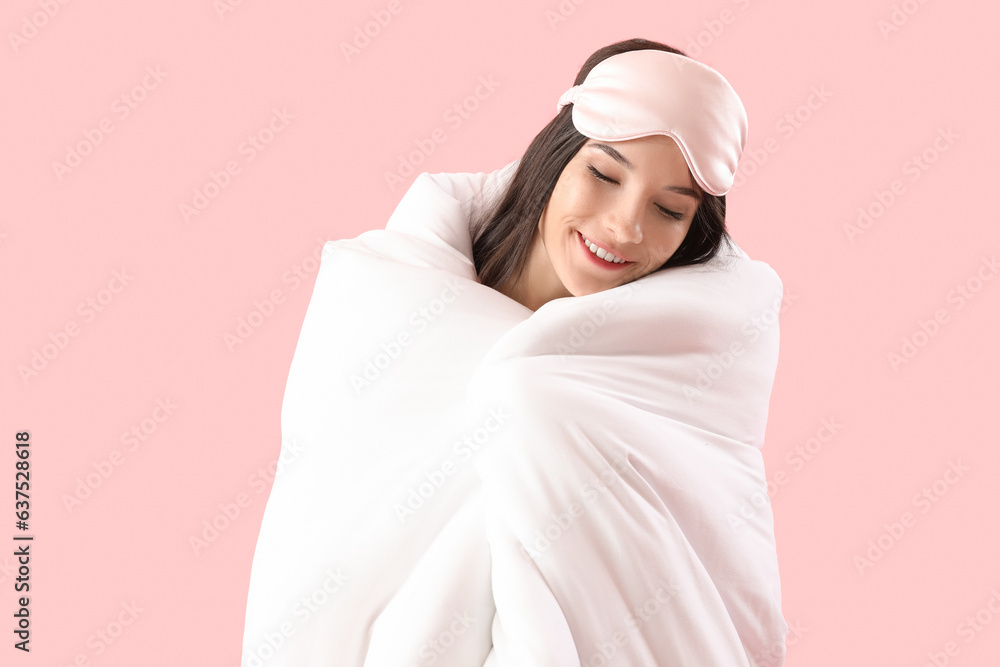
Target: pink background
{"x":161,"y":332}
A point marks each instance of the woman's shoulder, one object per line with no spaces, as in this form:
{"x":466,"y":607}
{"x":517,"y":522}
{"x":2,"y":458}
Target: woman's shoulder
{"x":439,"y":207}
{"x":475,"y":190}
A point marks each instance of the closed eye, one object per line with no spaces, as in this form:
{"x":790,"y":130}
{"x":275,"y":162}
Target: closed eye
{"x":601,"y":177}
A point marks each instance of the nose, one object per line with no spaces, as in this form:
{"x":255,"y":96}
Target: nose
{"x":624,"y":222}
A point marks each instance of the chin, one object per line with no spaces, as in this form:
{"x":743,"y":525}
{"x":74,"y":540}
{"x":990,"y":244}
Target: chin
{"x":578,"y":289}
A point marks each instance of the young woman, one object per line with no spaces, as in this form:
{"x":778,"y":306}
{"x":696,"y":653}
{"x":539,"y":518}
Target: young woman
{"x":523,"y":422}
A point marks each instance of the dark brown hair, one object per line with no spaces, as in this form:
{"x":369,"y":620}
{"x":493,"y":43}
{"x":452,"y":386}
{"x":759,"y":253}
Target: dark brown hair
{"x":502,"y":235}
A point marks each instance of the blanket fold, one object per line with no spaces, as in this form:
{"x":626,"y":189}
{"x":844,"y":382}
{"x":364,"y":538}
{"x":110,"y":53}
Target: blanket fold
{"x":476,"y":484}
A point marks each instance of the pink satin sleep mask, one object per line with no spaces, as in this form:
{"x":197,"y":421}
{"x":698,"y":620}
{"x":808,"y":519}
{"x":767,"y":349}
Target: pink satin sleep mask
{"x":641,"y":93}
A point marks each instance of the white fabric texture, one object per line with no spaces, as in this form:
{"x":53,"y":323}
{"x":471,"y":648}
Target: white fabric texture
{"x":468,"y":483}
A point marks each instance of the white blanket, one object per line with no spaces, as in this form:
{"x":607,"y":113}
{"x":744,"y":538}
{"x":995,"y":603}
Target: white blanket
{"x":465,"y":482}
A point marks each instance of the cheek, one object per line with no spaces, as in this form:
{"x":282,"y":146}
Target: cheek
{"x":667,"y":240}
{"x":577,"y":202}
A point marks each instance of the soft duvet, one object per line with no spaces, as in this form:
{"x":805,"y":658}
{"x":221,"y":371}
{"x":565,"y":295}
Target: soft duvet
{"x":469,"y":483}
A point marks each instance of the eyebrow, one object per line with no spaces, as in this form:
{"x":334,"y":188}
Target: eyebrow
{"x":624,"y":161}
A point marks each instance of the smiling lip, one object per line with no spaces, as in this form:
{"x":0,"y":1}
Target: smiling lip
{"x":595,"y":259}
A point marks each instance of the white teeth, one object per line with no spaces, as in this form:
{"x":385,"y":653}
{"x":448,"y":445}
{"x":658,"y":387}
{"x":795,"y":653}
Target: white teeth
{"x":601,"y":252}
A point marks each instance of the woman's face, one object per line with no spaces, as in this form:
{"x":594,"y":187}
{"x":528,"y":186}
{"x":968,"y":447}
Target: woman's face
{"x":635,"y":199}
